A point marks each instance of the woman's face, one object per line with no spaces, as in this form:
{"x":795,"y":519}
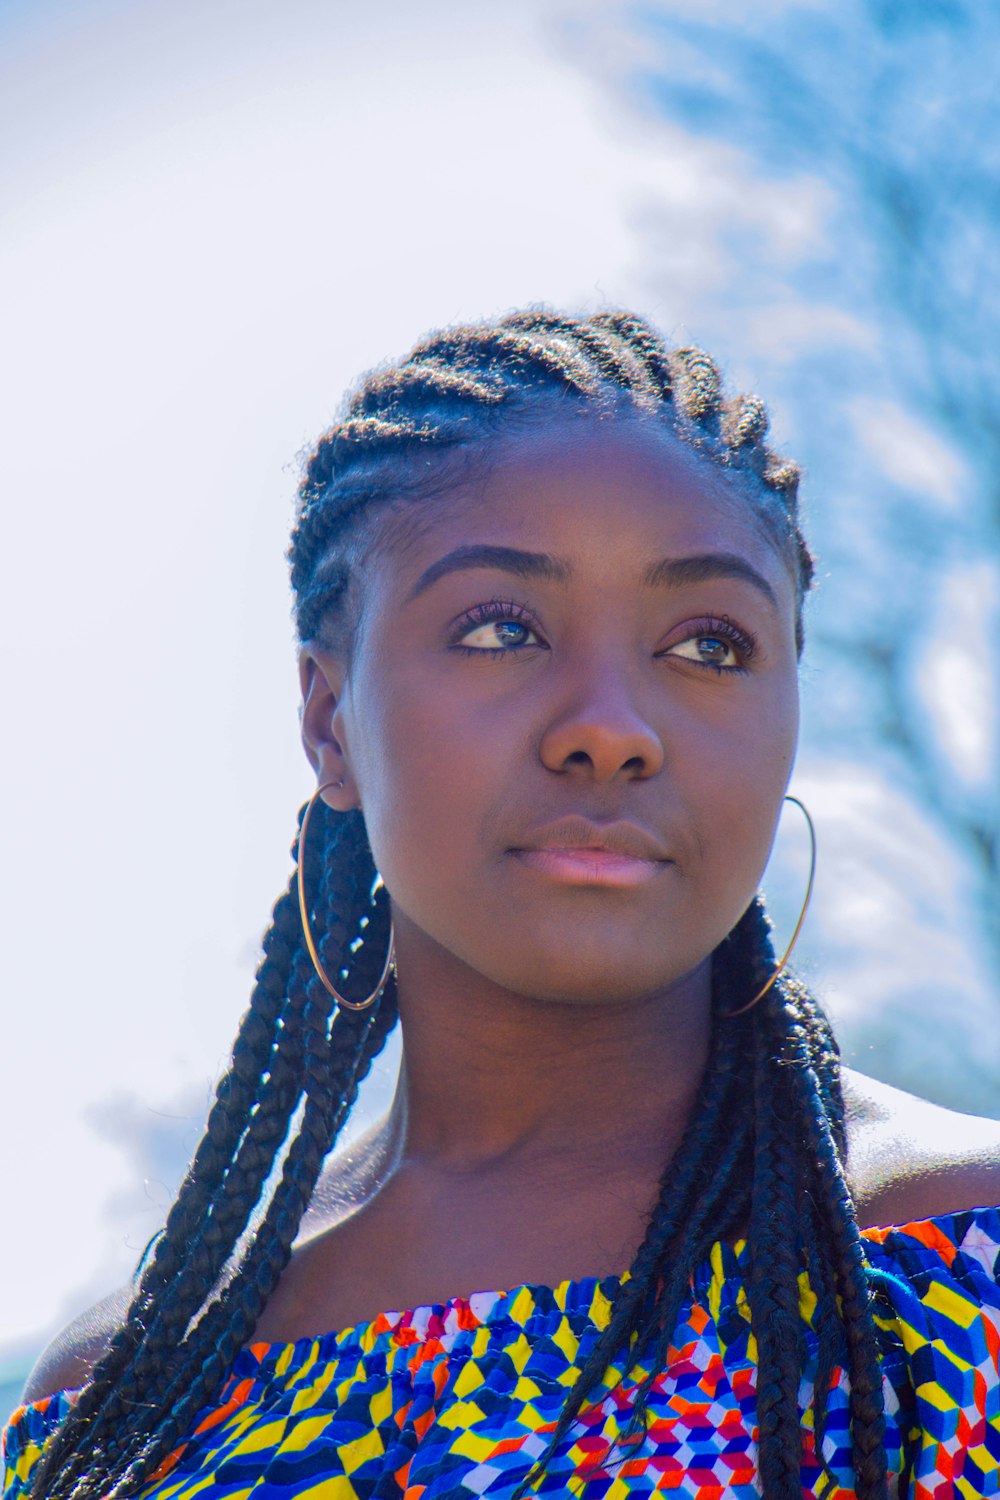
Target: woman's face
{"x":589,"y":643}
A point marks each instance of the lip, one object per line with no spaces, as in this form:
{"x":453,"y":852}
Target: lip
{"x":576,"y":851}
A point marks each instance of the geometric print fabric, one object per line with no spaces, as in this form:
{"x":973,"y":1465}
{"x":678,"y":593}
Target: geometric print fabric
{"x":457,"y":1400}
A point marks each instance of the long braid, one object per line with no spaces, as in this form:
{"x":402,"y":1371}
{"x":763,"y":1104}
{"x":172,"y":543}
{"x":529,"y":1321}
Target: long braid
{"x":266,"y":1130}
{"x":198,"y":1261}
{"x":840,"y":1223}
{"x":644,"y":1296}
{"x":720,"y":1206}
{"x":127,"y":1433}
{"x":776,"y":1248}
{"x":230,"y":1322}
{"x":833,"y":1249}
{"x":740,"y":1168}
{"x":164,"y":1346}
{"x":106,"y":1398}
{"x":336,"y":1056}
{"x":808,"y":1102}
{"x":827,"y":1326}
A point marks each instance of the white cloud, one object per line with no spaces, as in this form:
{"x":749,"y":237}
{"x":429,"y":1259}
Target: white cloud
{"x":957,"y":675}
{"x":909,"y":452}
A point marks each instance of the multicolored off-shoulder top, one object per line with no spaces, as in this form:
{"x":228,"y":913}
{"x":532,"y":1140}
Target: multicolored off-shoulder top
{"x":456,"y":1400}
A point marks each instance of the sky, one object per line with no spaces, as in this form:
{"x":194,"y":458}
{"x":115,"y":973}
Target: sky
{"x":216,"y":215}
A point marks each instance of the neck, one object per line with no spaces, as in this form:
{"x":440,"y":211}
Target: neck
{"x":493,"y":1078}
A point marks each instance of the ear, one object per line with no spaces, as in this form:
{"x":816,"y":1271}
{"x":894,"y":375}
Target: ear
{"x":321,"y":677}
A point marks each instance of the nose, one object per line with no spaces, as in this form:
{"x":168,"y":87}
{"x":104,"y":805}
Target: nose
{"x":599,"y":727}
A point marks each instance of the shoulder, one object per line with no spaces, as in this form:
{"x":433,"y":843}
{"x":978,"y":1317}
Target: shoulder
{"x":910,"y":1159}
{"x":348,"y":1183}
{"x":65,"y":1364}
{"x":354,"y":1176}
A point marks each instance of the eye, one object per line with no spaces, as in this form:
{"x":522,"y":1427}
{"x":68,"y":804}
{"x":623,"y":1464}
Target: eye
{"x":497,"y":634}
{"x":718,"y":644}
{"x":711,"y":650}
{"x":496,"y":628}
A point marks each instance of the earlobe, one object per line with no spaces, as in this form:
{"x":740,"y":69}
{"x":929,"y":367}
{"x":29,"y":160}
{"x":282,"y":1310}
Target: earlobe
{"x":321,"y":681}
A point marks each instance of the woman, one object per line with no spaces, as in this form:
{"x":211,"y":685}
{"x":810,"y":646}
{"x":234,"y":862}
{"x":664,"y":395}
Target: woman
{"x":549,"y":584}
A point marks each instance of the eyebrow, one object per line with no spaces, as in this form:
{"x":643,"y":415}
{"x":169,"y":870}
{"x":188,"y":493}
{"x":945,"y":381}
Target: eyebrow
{"x":669,"y":572}
{"x":504,"y":559}
{"x":677,"y":571}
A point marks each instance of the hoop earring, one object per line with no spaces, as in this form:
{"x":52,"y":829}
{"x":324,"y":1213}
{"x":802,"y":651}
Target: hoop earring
{"x":802,"y":915}
{"x":307,"y":932}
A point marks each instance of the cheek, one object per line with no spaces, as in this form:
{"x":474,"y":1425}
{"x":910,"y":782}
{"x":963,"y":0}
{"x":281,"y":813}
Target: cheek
{"x":737,"y":786}
{"x":425,"y":779}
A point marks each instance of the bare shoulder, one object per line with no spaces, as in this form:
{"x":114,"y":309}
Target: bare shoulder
{"x":346,"y":1185}
{"x":351,"y":1179}
{"x":911,"y":1159}
{"x":66,"y":1363}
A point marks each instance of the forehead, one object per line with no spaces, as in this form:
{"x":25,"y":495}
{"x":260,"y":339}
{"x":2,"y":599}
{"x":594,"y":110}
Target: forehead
{"x":603,"y":496}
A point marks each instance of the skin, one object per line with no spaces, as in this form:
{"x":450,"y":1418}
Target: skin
{"x":556,"y":1031}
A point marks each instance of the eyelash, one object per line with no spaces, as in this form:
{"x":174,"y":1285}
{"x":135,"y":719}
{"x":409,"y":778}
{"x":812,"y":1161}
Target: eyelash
{"x":507,"y":610}
{"x":724,"y":629}
{"x":489,"y":613}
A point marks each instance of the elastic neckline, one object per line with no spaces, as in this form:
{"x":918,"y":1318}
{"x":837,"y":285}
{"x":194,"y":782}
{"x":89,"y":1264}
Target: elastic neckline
{"x":431,"y":1321}
{"x":263,"y":1358}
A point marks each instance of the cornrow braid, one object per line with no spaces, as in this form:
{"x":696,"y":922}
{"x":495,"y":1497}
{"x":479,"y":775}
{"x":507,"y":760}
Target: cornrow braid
{"x":536,"y":359}
{"x":697,"y":386}
{"x":434,"y":381}
{"x":647,"y":345}
{"x":612,"y":355}
{"x":457,"y":389}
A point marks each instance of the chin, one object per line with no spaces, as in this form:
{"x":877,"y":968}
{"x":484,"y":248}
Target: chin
{"x":593,"y":981}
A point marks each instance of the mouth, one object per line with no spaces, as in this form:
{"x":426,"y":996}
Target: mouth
{"x":592,"y":866}
{"x":576,"y":851}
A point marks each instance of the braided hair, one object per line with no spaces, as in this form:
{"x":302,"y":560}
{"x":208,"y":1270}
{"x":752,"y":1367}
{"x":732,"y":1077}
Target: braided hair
{"x":765,"y":1150}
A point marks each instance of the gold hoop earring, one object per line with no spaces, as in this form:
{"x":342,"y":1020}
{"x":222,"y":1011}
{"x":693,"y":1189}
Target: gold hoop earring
{"x":802,"y":915}
{"x":307,"y":932}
